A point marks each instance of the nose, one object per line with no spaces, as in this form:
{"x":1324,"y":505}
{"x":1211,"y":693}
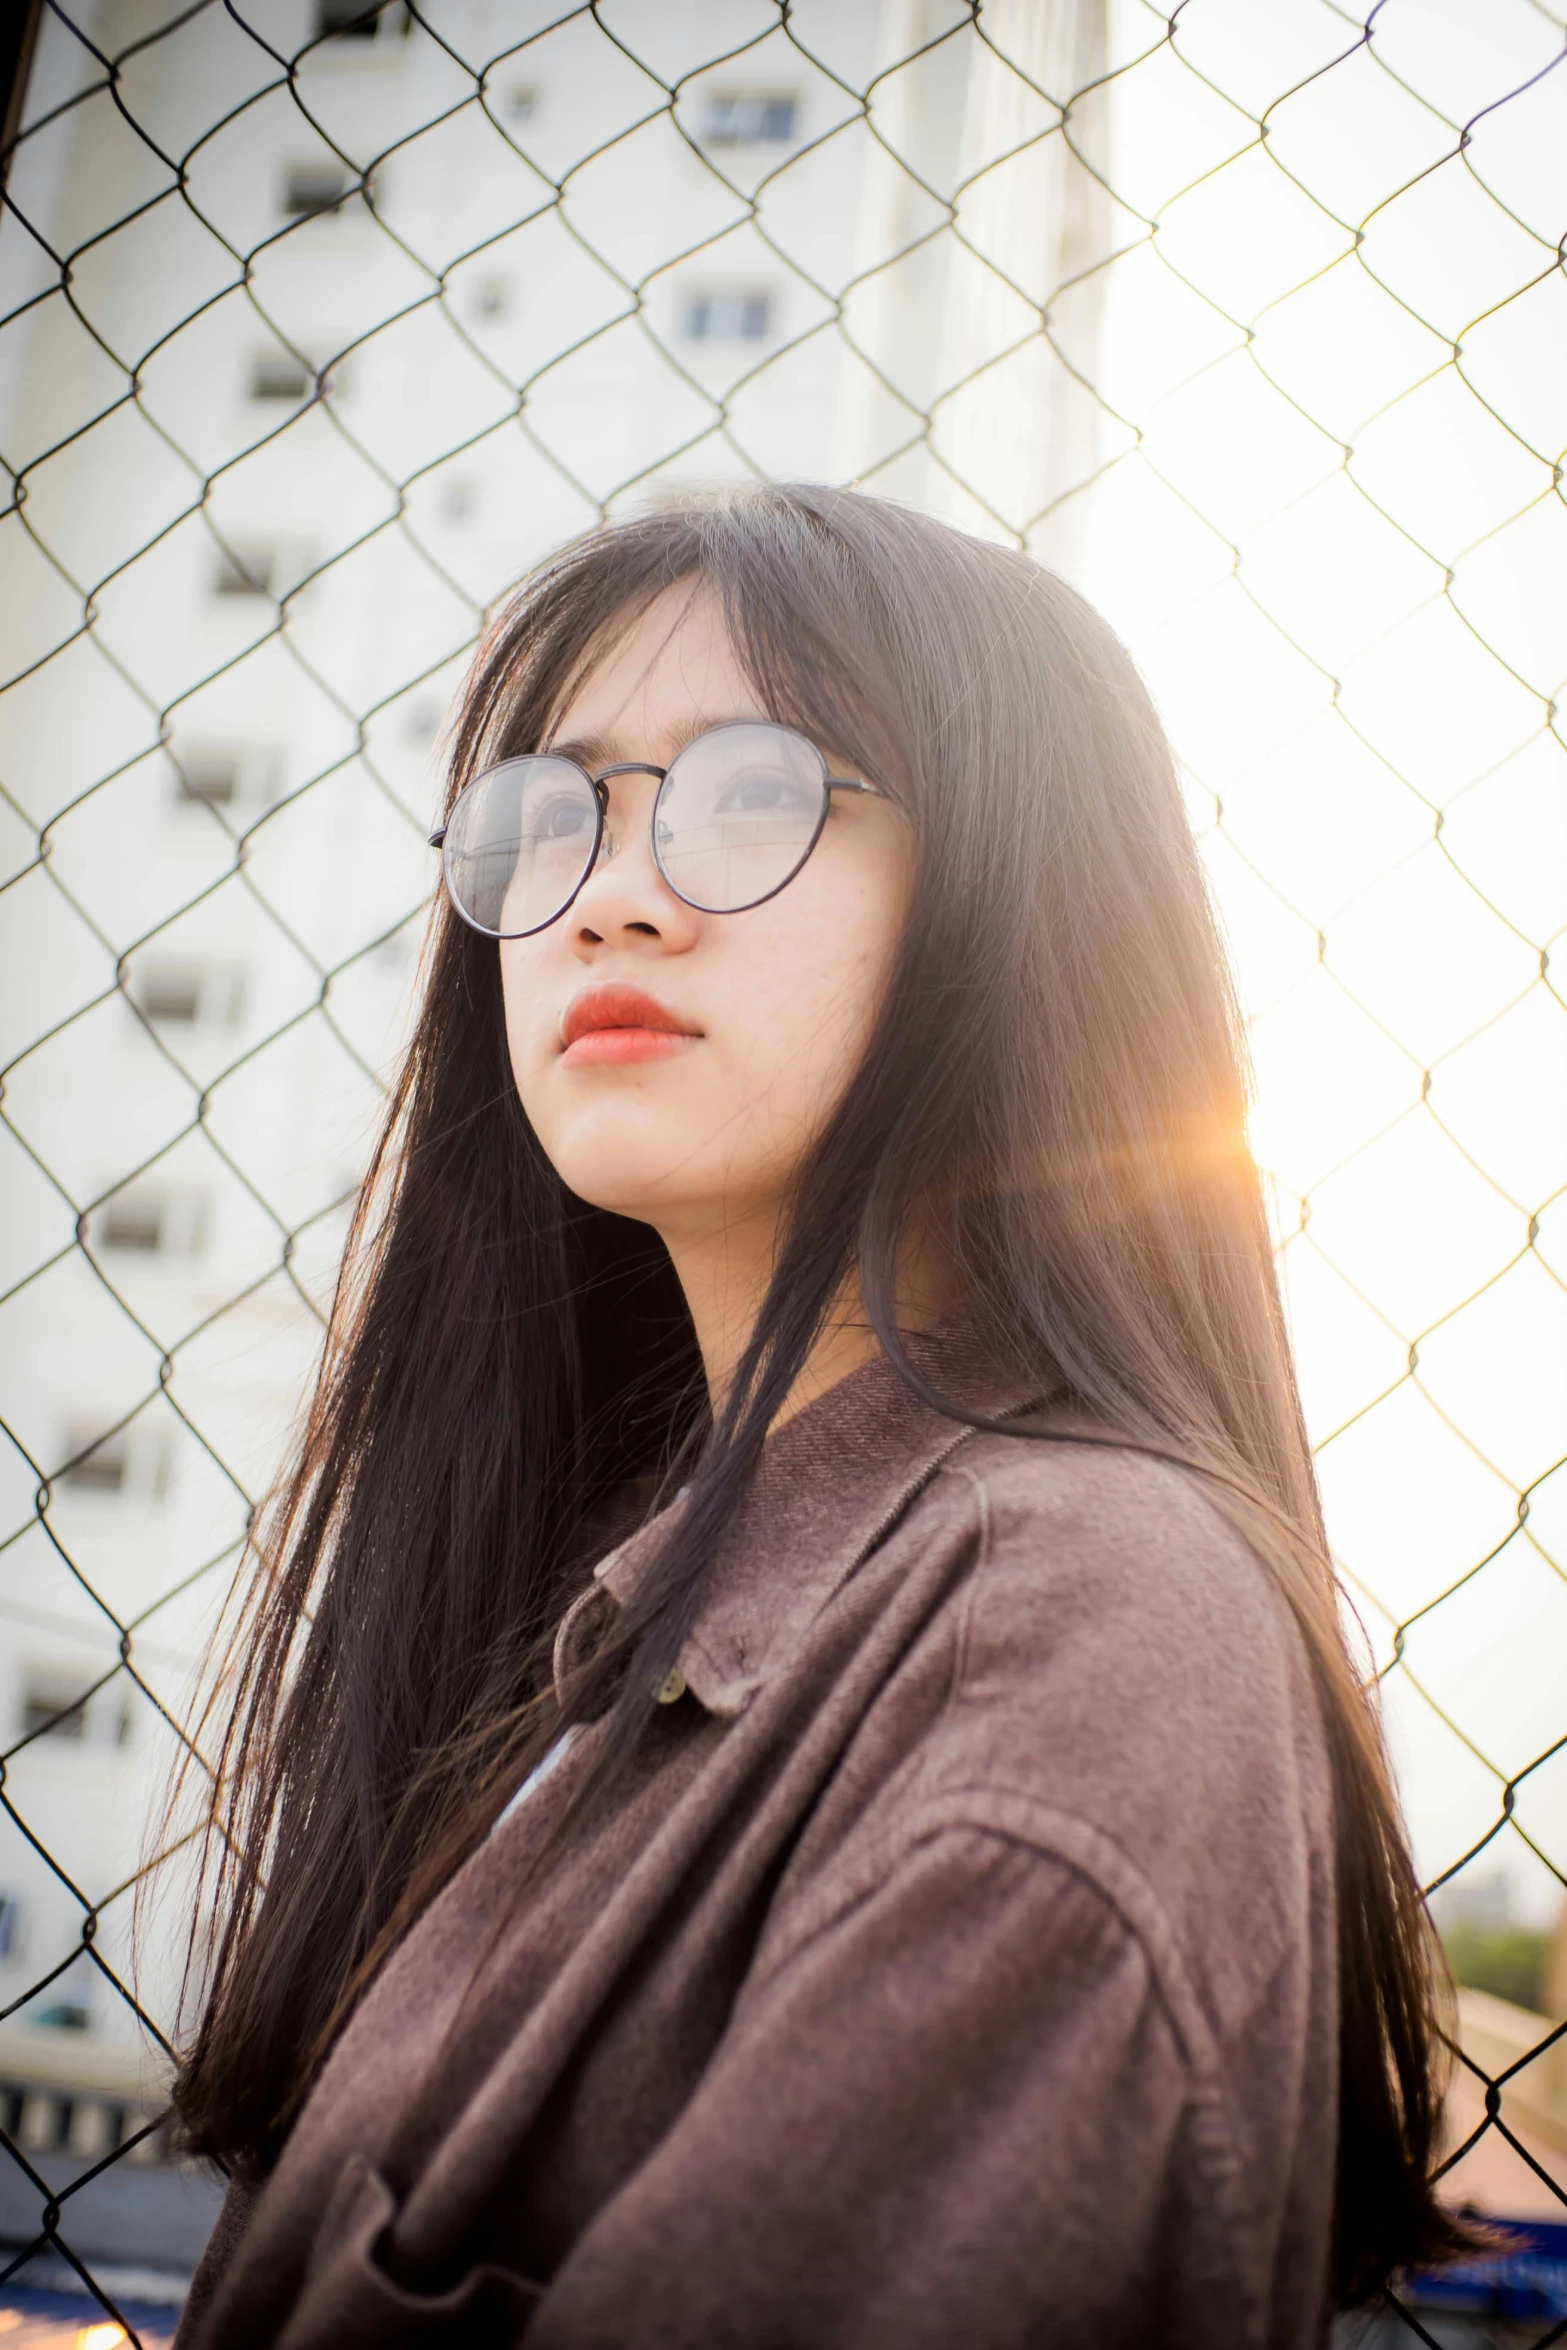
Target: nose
{"x":625,"y":899}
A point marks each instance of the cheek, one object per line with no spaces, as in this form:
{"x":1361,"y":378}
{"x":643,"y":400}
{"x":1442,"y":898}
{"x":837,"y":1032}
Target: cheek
{"x":808,"y":986}
{"x":530,"y":1037}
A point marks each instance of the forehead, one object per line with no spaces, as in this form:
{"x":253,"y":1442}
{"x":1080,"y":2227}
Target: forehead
{"x":657,"y":679}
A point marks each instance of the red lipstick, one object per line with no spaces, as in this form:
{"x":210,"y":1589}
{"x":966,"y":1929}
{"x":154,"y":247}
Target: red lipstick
{"x":609,"y":1025}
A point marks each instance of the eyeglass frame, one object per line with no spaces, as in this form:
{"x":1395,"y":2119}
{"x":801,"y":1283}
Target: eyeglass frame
{"x":599,"y":786}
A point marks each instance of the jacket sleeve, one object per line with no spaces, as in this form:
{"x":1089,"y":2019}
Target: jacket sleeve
{"x":955,"y":2114}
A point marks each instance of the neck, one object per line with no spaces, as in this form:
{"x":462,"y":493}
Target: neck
{"x":724,"y":1273}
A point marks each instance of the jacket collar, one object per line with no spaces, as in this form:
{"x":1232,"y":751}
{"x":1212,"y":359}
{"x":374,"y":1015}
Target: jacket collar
{"x":828,"y":1487}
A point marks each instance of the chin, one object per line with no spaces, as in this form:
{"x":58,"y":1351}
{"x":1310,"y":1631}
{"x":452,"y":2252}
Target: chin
{"x":632,"y":1162}
{"x":622,"y":1199}
{"x":623,"y":1183}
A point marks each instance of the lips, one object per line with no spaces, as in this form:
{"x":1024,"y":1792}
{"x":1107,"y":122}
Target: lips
{"x":606,"y":1025}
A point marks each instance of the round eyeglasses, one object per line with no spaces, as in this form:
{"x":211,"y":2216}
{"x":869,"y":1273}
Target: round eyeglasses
{"x":736,"y":814}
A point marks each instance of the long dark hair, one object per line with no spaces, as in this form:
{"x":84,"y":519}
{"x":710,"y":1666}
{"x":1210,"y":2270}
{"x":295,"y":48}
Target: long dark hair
{"x":1056,"y":1079}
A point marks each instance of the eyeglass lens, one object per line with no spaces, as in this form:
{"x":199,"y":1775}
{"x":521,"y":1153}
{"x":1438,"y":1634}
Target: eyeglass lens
{"x":738,"y":815}
{"x":735,"y":818}
{"x":520,"y":841}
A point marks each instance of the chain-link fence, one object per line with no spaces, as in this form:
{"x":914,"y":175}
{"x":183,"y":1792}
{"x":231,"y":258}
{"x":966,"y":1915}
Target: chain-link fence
{"x":318,"y":327}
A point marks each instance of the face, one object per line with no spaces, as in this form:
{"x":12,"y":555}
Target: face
{"x":755,"y":1021}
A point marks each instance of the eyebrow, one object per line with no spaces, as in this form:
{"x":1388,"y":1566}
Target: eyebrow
{"x":593,"y":751}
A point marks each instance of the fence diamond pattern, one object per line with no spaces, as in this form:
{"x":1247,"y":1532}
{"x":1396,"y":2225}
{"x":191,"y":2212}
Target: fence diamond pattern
{"x":318,"y":326}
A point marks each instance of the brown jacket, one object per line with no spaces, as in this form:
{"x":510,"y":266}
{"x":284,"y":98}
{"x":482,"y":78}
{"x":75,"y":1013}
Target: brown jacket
{"x":955,"y":1968}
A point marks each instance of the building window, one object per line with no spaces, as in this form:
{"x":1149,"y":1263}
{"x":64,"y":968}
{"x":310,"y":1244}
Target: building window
{"x":349,"y":20}
{"x":53,"y":1707}
{"x":62,"y":2015}
{"x":734,"y":314}
{"x":748,"y":118}
{"x":244,"y":571}
{"x":131,"y":1465}
{"x":136,"y":1222}
{"x":103,"y":1469}
{"x":212,"y":777}
{"x":10,"y":1925}
{"x":277,"y":375}
{"x":144,"y":1222}
{"x":178,"y":995}
{"x":213,"y":773}
{"x":362,"y":20}
{"x":170,"y":994}
{"x":313,"y":188}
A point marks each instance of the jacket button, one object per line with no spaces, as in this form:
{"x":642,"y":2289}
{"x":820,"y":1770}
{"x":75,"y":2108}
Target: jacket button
{"x":672,"y":1687}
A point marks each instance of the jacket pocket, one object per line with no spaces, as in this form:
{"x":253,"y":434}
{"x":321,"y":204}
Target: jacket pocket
{"x":347,"y":2300}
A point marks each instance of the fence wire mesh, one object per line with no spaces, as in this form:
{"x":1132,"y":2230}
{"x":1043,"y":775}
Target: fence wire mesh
{"x":318,"y":326}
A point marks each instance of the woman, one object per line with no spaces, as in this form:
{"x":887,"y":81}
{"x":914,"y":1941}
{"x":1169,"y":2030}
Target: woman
{"x":934,"y":1878}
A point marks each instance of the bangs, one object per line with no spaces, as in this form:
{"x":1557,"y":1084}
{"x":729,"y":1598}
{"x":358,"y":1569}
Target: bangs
{"x":803,"y":615}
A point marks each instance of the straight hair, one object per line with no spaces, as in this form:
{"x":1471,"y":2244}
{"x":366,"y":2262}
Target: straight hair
{"x":1055,"y":1085}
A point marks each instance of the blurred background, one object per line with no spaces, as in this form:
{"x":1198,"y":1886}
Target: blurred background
{"x":318,"y":326}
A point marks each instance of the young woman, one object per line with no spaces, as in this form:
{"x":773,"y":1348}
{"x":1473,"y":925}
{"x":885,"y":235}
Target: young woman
{"x":795,"y":1778}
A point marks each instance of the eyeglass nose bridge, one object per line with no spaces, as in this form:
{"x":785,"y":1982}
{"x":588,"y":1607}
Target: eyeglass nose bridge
{"x":608,"y":846}
{"x":626,"y":767}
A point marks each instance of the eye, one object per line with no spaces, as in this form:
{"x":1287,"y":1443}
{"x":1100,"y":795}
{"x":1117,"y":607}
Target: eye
{"x":563,"y":816}
{"x":762,"y":793}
